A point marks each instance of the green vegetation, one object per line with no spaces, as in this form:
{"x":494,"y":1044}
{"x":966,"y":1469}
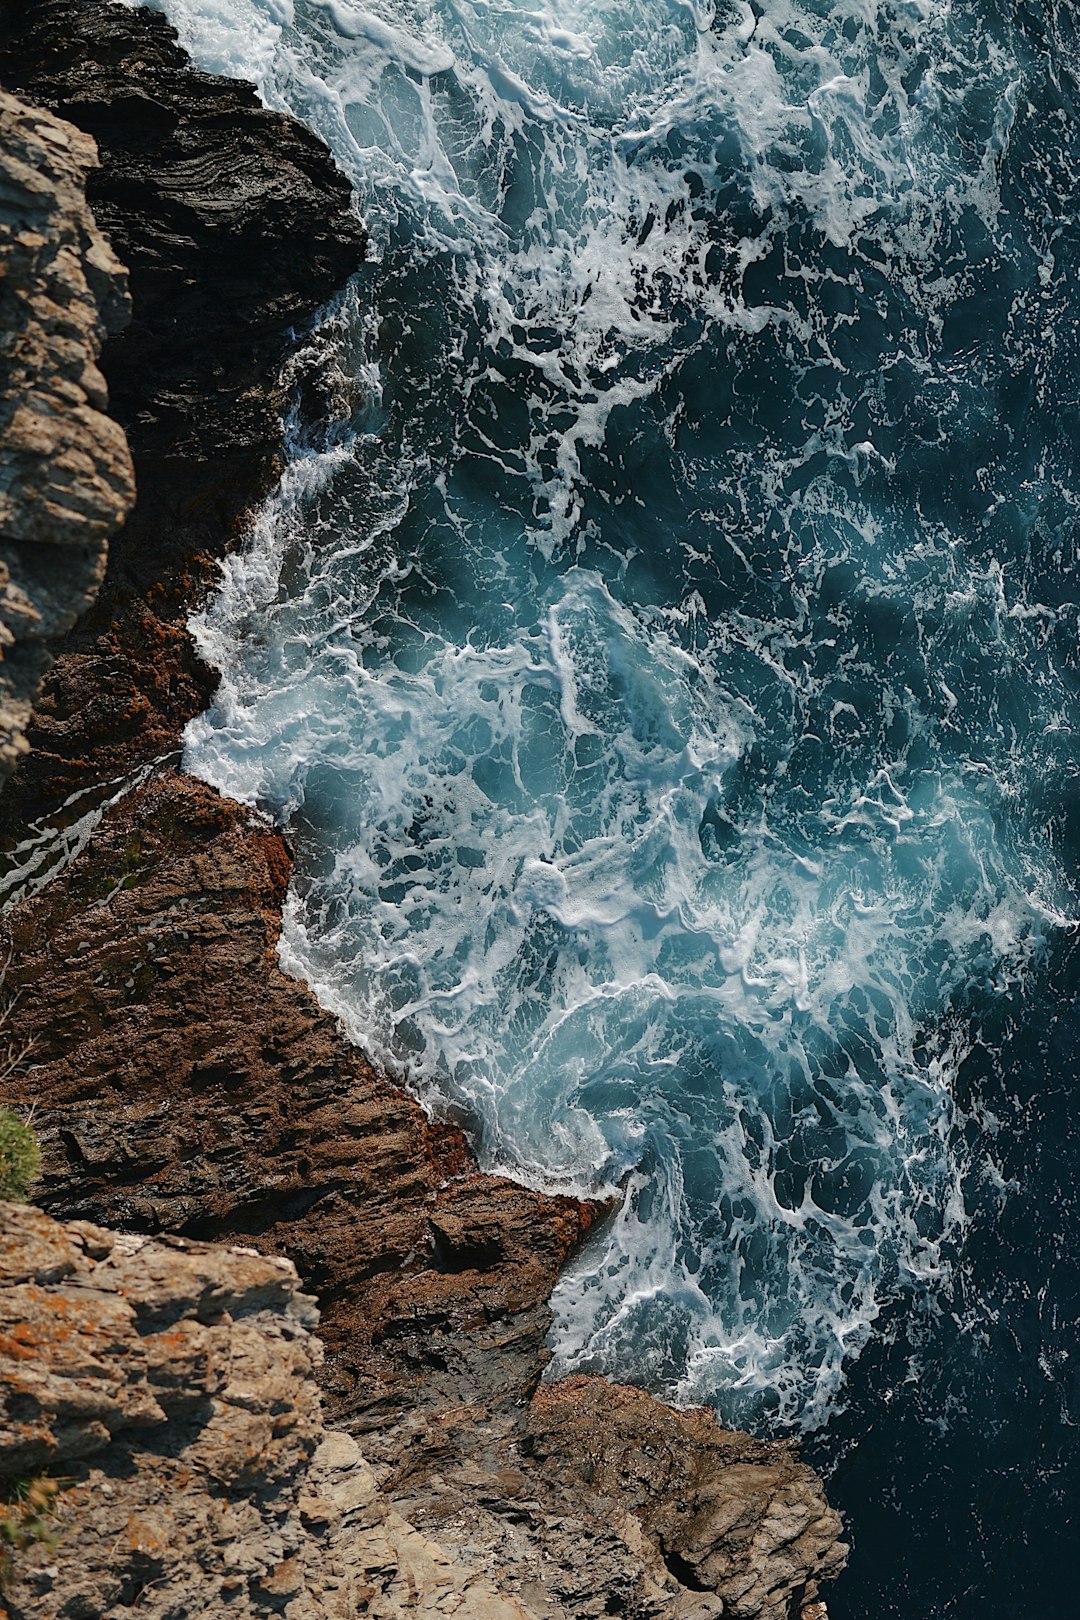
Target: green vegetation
{"x":20,"y":1157}
{"x":25,"y":1512}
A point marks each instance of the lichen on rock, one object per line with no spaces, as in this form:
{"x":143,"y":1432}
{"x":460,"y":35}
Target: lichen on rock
{"x":168,"y":1390}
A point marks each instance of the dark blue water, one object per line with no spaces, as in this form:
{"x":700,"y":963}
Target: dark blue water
{"x":668,"y":663}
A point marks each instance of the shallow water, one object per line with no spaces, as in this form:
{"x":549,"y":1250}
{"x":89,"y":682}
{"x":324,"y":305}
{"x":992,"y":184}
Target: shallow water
{"x":668,"y":663}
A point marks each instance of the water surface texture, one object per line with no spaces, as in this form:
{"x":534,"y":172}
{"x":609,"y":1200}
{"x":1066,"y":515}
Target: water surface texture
{"x":668,"y":663}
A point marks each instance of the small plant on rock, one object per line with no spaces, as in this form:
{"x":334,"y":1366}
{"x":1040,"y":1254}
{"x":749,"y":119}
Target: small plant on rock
{"x":26,"y":1507}
{"x":20,"y":1157}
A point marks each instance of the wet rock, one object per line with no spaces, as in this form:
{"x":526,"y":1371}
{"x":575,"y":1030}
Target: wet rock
{"x":235,"y":226}
{"x":66,"y":481}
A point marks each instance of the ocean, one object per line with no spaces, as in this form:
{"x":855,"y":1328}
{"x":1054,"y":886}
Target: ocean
{"x":663,"y":650}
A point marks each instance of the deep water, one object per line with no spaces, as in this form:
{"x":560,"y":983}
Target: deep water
{"x":664,"y":648}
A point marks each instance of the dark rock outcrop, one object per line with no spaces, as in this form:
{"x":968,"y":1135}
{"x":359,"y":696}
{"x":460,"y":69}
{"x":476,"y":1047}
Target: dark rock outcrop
{"x":66,"y":479}
{"x":235,"y":226}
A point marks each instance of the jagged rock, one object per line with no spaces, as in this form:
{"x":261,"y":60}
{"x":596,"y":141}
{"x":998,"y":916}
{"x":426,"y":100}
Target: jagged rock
{"x":66,"y":481}
{"x":182,"y":1084}
{"x":169,"y":1388}
{"x":235,"y":226}
{"x":731,"y":1515}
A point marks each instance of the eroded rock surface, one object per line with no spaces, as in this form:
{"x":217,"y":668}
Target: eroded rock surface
{"x":182,"y":1084}
{"x":66,"y":480}
{"x":235,"y":226}
{"x":169,"y":1389}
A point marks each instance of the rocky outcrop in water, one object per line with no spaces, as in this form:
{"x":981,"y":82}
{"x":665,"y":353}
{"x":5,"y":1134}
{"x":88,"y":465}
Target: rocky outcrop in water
{"x":66,"y":480}
{"x":183,"y":1085}
{"x":236,"y":227}
{"x":161,"y":1396}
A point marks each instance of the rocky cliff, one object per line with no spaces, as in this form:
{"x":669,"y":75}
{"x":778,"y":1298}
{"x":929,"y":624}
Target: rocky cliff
{"x":235,"y":227}
{"x":160,"y":1396}
{"x":66,"y":479}
{"x":185,"y":1090}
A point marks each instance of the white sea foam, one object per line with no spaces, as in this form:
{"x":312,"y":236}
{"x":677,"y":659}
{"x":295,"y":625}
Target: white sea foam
{"x":642,"y":729}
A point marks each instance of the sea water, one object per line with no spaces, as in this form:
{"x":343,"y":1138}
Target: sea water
{"x":663,"y":646}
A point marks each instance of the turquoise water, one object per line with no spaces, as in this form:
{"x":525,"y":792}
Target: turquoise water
{"x":663,"y":645}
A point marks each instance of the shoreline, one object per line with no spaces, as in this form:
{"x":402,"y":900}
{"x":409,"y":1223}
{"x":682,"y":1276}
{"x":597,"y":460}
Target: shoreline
{"x":184,"y":1086}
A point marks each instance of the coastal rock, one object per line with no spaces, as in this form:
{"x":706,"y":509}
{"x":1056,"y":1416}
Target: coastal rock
{"x":236,"y":227}
{"x":164,"y":1394}
{"x":66,"y":480}
{"x":731,"y":1515}
{"x":183,"y":1085}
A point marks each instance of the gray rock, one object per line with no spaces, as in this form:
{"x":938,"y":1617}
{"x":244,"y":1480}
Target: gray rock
{"x":170,"y":1389}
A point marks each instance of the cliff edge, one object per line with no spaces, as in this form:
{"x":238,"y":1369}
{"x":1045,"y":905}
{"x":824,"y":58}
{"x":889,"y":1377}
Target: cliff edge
{"x":66,"y":479}
{"x":235,"y":227}
{"x":159,"y":1398}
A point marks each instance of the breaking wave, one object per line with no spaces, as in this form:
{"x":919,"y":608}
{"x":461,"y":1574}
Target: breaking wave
{"x":667,"y":658}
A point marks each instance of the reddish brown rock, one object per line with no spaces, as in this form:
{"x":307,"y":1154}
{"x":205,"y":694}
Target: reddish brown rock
{"x":183,"y":1084}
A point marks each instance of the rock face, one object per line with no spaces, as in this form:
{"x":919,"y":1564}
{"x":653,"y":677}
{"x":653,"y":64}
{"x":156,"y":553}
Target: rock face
{"x":169,"y":1389}
{"x":66,"y":481}
{"x":235,"y":226}
{"x":183,"y":1085}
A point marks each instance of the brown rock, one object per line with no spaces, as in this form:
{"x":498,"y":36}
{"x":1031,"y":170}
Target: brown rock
{"x":182,"y":1084}
{"x":66,"y":480}
{"x":731,"y":1514}
{"x":236,"y":226}
{"x":168,"y":1390}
